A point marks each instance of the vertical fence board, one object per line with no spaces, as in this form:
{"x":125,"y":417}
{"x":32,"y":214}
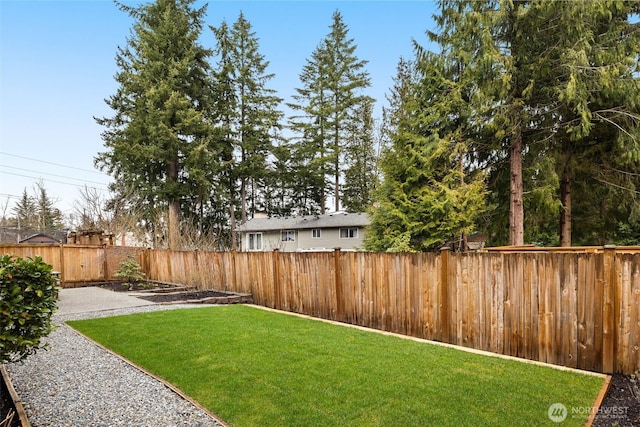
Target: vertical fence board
{"x":430,"y":280}
{"x":633,"y":361}
{"x":628,"y":335}
{"x":595,"y":362}
{"x":533,"y":318}
{"x":549,"y":324}
{"x":584,"y":327}
{"x":508,"y":305}
{"x":494,"y":276}
{"x":609,"y":310}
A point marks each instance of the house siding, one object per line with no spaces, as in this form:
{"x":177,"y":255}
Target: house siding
{"x":304,"y":240}
{"x":330,"y":239}
{"x":329,"y":225}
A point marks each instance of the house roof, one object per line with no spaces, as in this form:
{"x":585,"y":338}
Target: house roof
{"x":331,"y":220}
{"x":40,"y":236}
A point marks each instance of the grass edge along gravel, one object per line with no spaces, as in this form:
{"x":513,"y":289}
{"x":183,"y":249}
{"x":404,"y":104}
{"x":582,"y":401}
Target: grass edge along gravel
{"x":253,"y":367}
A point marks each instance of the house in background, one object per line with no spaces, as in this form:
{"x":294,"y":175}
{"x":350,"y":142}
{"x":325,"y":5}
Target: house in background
{"x":41,"y":238}
{"x":304,"y":233}
{"x":30,"y":235}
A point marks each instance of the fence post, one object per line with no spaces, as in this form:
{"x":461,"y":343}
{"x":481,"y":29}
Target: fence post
{"x":199,"y":276}
{"x":276,"y":279}
{"x":105,"y":262}
{"x":146,"y":262}
{"x":234,"y":276}
{"x":338,"y":281}
{"x":443,"y":295}
{"x":62,"y":274}
{"x":609,"y":310}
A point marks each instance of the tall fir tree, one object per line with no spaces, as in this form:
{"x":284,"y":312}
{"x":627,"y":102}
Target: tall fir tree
{"x":544,"y":95}
{"x":333,"y":81}
{"x":37,"y":211}
{"x":25,"y":211}
{"x":360,"y":176}
{"x":49,"y":217}
{"x":309,"y":152}
{"x":594,"y":65}
{"x":254,"y":118}
{"x":492,"y":41}
{"x":226,"y":193}
{"x":279,"y":197}
{"x":160,"y":142}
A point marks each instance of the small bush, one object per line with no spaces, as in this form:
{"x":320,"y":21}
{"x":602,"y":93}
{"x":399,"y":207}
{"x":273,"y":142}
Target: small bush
{"x":130,"y":270}
{"x":28,"y":300}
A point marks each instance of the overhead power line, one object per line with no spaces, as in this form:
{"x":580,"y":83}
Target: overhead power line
{"x":53,"y":163}
{"x":57,"y":182}
{"x":52,"y":174}
{"x":9,"y":196}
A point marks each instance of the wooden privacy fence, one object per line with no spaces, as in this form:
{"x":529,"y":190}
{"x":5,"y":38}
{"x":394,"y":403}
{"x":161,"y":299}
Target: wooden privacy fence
{"x":578,"y":308}
{"x":77,"y":265}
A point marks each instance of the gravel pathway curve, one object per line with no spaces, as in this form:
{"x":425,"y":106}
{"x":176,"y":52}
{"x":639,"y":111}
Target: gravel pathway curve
{"x":76,"y":383}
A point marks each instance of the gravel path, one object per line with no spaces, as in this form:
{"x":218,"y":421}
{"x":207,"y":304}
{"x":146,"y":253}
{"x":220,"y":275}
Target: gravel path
{"x":76,"y":383}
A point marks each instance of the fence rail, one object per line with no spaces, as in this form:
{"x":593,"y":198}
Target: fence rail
{"x":576,"y":308}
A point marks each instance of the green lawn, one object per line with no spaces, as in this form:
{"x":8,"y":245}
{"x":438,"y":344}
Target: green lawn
{"x":257,"y":368}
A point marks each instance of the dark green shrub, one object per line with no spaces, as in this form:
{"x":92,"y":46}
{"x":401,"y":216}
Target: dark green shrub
{"x":28,"y":299}
{"x":129,"y":270}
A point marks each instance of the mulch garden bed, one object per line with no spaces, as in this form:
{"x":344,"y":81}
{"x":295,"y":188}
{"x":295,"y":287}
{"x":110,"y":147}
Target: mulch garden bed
{"x":7,"y":407}
{"x":11,"y":412}
{"x":143,"y":287}
{"x":184,"y":296}
{"x":168,"y":293}
{"x":621,"y":405}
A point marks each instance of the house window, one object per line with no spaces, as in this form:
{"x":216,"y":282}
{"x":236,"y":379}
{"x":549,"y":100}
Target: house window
{"x":255,"y":242}
{"x":315,"y":233}
{"x":288,"y":236}
{"x":349,"y":233}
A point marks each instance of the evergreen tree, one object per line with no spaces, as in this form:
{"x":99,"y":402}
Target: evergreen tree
{"x":309,"y":154}
{"x":498,"y":46}
{"x":594,"y":65}
{"x":160,"y":142}
{"x":607,"y":203}
{"x":37,"y":211}
{"x":550,"y":83}
{"x":431,"y":192}
{"x":49,"y":217}
{"x":25,"y":211}
{"x":577,"y":92}
{"x":253,"y":115}
{"x":279,"y":194}
{"x":360,"y":178}
{"x":226,"y":193}
{"x":330,"y":100}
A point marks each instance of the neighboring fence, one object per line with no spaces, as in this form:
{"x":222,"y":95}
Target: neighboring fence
{"x":77,"y":265}
{"x":577,"y":307}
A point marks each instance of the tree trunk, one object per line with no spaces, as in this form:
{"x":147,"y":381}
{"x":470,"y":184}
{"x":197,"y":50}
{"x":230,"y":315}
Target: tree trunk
{"x":243,"y":200}
{"x":174,"y":206}
{"x":565,"y":212}
{"x":336,"y":147}
{"x":516,"y":207}
{"x":234,"y":240}
{"x":174,"y":225}
{"x":337,"y":186}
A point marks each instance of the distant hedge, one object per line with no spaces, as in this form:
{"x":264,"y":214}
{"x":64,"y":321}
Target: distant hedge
{"x":28,"y":300}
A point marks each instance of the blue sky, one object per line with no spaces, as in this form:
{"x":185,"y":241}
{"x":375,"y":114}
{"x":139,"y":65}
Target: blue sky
{"x":57,"y":66}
